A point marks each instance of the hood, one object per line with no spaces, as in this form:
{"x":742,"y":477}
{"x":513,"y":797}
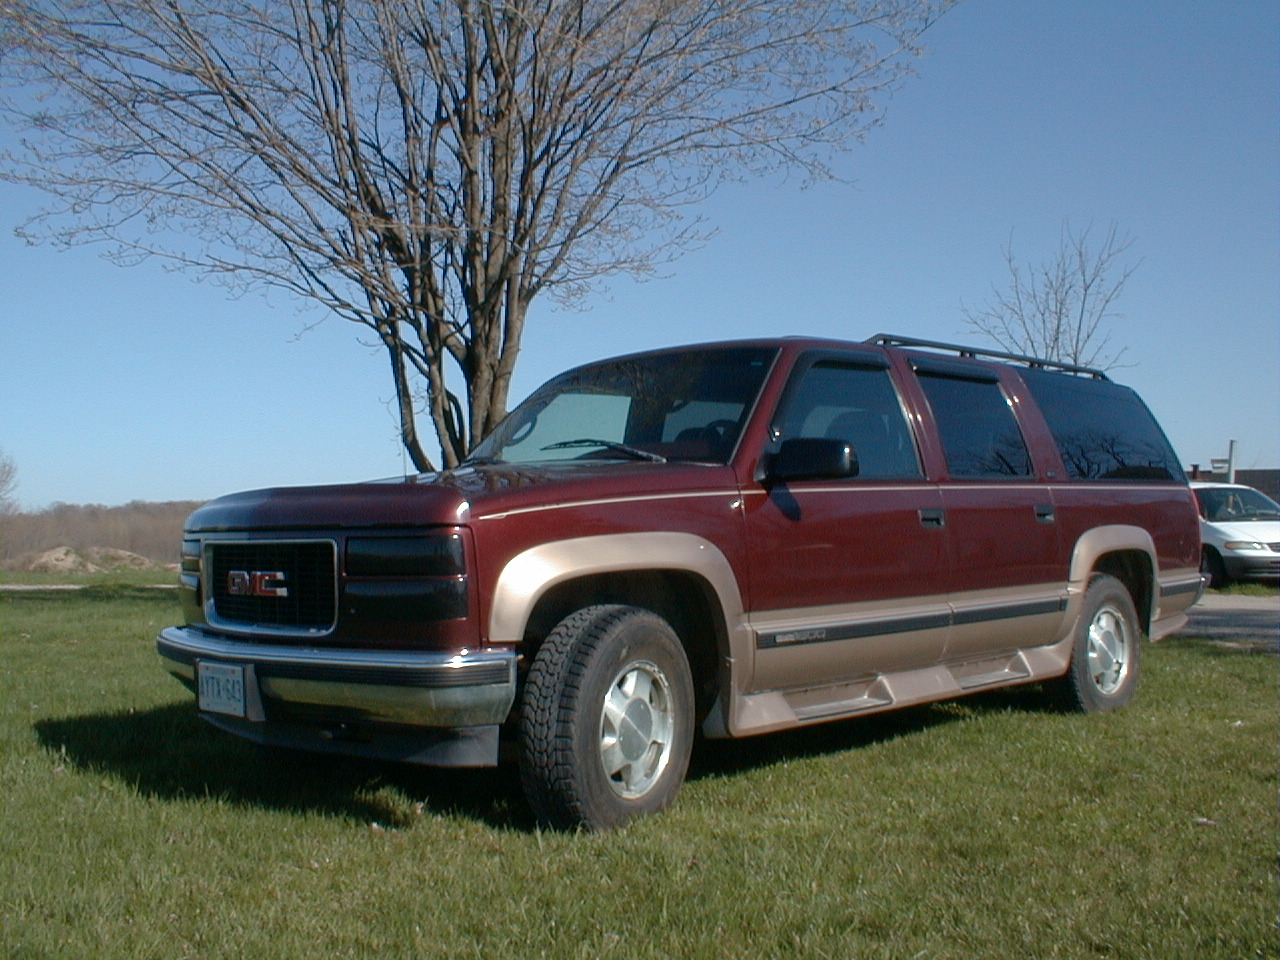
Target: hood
{"x":404,"y":502}
{"x":449,"y":498}
{"x":1263,"y":531}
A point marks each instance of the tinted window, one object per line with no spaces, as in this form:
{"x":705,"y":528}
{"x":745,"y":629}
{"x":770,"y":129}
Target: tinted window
{"x":979,"y":433}
{"x":856,"y":404}
{"x":1103,"y":431}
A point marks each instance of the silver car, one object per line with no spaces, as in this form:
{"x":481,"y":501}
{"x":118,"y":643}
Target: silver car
{"x":1239,"y":533}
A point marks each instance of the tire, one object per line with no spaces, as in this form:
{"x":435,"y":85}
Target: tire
{"x":1106,"y":657}
{"x":1212,"y":567}
{"x":606,"y":722}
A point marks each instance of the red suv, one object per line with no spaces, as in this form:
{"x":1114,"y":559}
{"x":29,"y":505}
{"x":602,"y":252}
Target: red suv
{"x":734,"y":538}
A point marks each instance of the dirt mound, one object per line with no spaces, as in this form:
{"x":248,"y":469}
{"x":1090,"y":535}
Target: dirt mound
{"x":92,"y":560}
{"x":57,"y":560}
{"x":109,"y":558}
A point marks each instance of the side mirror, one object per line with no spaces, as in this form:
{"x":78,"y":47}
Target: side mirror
{"x":812,"y":458}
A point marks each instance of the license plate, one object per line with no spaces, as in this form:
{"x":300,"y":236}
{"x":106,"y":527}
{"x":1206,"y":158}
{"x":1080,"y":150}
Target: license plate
{"x":221,"y":687}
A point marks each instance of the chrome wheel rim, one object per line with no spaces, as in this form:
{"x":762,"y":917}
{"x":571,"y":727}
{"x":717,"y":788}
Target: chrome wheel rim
{"x":1109,"y":643}
{"x":637,"y":727}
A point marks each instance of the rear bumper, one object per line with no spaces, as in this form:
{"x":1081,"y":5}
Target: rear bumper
{"x":436,"y":708}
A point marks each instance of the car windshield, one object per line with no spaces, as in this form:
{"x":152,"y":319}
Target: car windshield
{"x":1230,"y":504}
{"x":654,"y":407}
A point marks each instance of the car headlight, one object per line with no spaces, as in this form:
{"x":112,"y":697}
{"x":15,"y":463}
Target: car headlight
{"x":1245,"y":545}
{"x":421,"y":578}
{"x":189,"y":577}
{"x":429,"y":556}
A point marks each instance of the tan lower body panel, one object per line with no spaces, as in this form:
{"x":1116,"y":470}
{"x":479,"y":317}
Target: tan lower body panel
{"x":840,"y":661}
{"x":781,"y":709}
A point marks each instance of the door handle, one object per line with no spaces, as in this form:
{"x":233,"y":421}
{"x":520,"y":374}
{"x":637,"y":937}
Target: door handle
{"x":1045,"y":513}
{"x":933,"y":518}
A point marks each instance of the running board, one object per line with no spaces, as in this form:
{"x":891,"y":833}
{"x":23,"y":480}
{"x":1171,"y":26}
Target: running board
{"x":856,"y":698}
{"x":994,"y":672}
{"x":780,"y":709}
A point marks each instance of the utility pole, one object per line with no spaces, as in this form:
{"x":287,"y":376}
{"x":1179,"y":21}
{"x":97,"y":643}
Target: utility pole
{"x":1227,"y":466}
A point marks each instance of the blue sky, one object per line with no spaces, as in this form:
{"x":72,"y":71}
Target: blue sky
{"x":119,"y":384}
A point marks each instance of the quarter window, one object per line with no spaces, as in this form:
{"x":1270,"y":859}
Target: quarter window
{"x":1102,"y":429}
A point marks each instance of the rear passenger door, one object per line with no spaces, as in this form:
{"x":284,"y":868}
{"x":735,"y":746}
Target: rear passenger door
{"x":847,"y":575}
{"x":1008,"y":582}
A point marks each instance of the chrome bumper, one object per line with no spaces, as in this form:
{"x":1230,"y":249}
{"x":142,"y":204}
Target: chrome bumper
{"x":467,"y":689}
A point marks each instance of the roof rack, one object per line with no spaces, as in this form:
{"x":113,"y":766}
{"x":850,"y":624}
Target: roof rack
{"x":1038,"y":363}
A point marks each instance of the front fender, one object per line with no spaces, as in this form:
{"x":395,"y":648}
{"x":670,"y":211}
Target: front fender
{"x":529,"y":575}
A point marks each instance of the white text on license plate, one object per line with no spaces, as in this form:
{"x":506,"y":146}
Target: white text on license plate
{"x":221,"y":688}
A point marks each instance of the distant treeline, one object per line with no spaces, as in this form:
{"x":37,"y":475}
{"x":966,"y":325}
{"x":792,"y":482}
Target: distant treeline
{"x":153,"y":530}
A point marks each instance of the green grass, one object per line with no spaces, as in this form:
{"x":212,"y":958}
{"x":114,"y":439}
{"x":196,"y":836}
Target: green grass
{"x":989,"y":827}
{"x":1250,"y":589}
{"x":167,"y":578}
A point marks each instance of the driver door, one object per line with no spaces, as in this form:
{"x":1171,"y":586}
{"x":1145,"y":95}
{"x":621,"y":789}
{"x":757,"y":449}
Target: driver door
{"x":847,"y":576}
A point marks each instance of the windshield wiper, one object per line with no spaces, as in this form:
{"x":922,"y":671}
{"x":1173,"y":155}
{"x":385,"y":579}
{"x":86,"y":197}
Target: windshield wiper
{"x":635,"y":453}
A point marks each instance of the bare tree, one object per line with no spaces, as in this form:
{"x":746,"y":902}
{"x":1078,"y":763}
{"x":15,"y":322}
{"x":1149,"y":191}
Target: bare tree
{"x":153,"y":530}
{"x":1059,"y":309}
{"x":425,"y":168}
{"x":8,"y":484}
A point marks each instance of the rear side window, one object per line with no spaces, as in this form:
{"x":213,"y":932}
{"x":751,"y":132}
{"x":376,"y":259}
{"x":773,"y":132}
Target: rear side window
{"x":979,"y":433}
{"x":1103,"y":430}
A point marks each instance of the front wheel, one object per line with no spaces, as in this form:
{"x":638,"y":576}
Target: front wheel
{"x":1107,"y":652}
{"x":606,"y":723}
{"x":1212,"y":567}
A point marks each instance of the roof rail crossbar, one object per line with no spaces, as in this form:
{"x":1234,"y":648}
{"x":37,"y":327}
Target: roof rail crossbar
{"x":1039,"y":363}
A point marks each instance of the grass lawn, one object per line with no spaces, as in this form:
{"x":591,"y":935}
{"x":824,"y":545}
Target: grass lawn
{"x":988,"y":827}
{"x":1250,"y":589}
{"x":105,"y":578}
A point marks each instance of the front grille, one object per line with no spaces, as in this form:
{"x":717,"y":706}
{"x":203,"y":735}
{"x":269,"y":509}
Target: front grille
{"x":1275,"y":547}
{"x":283,"y":585}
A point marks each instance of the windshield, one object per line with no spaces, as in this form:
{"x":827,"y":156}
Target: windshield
{"x":655,"y":407}
{"x":1230,"y":504}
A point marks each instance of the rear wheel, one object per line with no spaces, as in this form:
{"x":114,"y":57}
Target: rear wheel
{"x":606,"y":723}
{"x":1107,"y":652}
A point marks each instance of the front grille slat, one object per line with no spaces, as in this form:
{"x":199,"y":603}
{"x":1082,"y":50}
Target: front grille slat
{"x":288,"y":586}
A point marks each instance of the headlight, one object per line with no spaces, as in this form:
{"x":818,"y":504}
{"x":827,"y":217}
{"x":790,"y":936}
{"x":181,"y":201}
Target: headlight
{"x":189,"y":579}
{"x":405,"y":579}
{"x":1245,"y":545}
{"x":431,"y":556}
{"x":190,"y":575}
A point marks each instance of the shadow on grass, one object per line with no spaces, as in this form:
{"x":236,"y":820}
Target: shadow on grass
{"x":170,"y":754}
{"x":714,"y":758}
